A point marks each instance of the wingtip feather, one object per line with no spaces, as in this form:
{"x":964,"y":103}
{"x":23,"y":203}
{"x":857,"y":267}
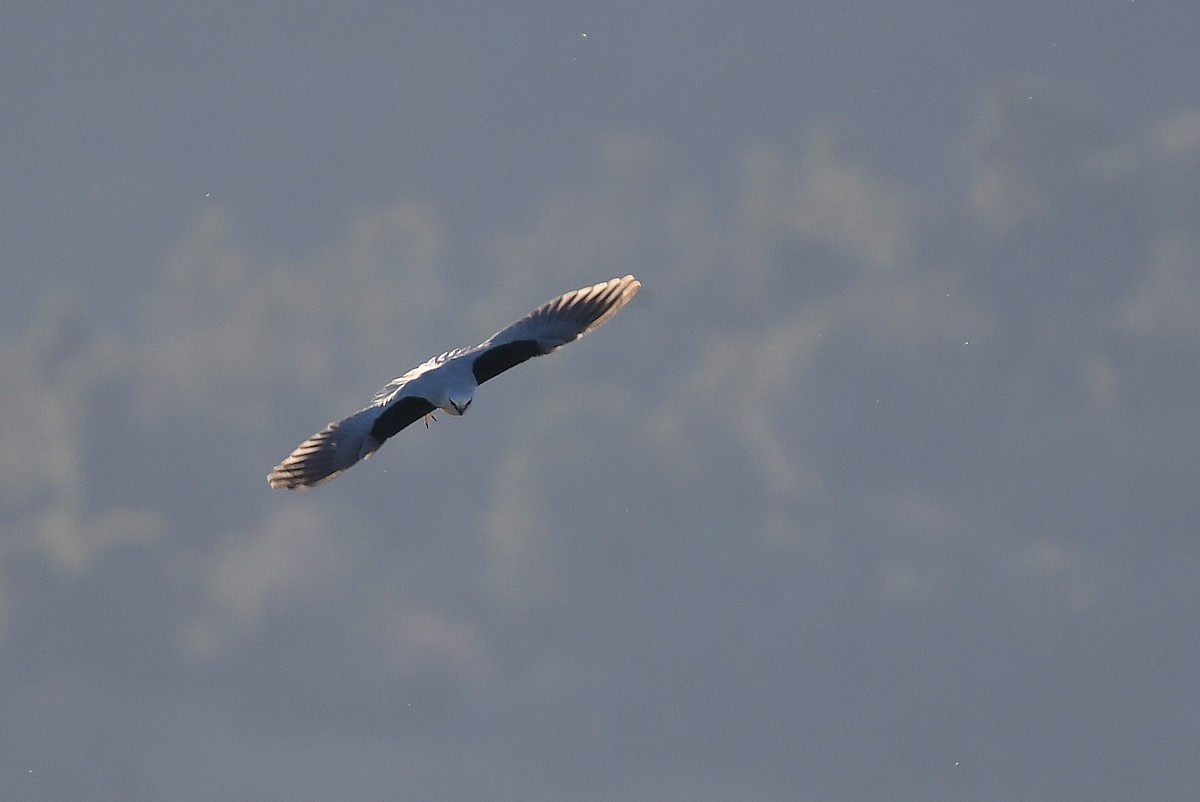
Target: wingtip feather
{"x":325,"y":455}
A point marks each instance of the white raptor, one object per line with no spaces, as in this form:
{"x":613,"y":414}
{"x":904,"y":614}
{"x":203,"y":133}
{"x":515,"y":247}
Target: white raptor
{"x":447,"y":382}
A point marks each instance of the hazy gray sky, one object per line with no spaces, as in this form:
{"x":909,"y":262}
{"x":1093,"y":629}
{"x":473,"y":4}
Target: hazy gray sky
{"x":883,"y":488}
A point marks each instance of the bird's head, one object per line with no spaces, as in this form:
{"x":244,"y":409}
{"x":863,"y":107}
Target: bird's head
{"x":459,"y":403}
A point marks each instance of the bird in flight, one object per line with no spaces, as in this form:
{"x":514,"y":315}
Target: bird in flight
{"x":447,"y":382}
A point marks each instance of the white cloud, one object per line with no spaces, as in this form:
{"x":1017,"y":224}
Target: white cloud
{"x":296,"y":555}
{"x":1165,"y":303}
{"x":825,"y":197}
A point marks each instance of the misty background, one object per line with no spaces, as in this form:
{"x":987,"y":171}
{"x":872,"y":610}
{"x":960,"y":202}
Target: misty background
{"x":883,"y":488}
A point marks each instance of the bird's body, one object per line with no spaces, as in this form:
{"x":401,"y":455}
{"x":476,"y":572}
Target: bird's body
{"x":448,"y":381}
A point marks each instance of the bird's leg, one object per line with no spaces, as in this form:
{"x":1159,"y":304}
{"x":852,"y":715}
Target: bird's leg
{"x":429,"y":415}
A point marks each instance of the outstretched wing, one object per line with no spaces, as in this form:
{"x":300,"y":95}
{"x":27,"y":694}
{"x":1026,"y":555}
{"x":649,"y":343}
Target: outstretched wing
{"x":343,"y":443}
{"x":552,"y":325}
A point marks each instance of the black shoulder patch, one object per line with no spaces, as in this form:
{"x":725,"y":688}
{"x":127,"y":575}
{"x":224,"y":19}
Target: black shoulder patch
{"x":494,"y":361}
{"x":398,"y":414}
